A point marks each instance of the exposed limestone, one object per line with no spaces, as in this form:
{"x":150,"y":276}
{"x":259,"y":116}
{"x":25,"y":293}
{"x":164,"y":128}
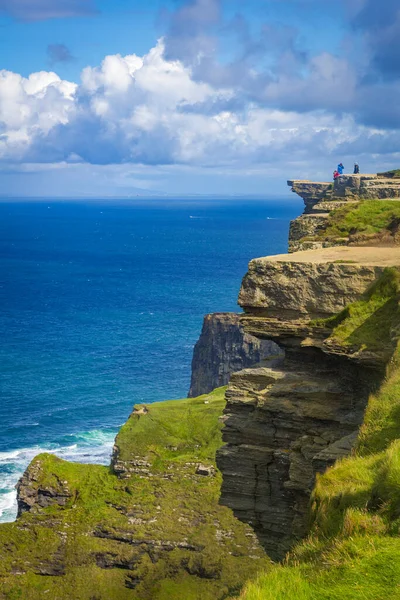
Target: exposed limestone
{"x":222,"y":349}
{"x":283,"y":424}
{"x":288,"y":419}
{"x":311,"y":192}
{"x":312,"y":284}
{"x":304,"y":226}
{"x":346,"y":187}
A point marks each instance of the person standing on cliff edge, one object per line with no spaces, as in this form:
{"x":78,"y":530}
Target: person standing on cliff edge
{"x":340,"y":168}
{"x":356,"y":169}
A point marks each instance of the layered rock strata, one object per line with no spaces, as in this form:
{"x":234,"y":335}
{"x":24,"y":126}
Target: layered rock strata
{"x":346,"y":187}
{"x":321,"y":198}
{"x":312,"y":284}
{"x":289,"y":419}
{"x":283,"y":424}
{"x":224,"y":348}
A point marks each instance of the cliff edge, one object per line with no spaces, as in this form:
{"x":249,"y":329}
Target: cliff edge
{"x":222,"y":349}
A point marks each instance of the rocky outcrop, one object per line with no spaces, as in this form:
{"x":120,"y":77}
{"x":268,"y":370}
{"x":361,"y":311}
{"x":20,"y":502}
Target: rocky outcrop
{"x":311,"y":284}
{"x":345,"y":188}
{"x":306,"y":226}
{"x":322,"y":198}
{"x":149,"y":527}
{"x":311,"y":192}
{"x":284,"y":424}
{"x":222,"y":349}
{"x":288,"y":419}
{"x":34,"y":495}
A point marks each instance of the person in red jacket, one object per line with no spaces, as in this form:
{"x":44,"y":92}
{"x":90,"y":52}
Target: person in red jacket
{"x":336,"y":174}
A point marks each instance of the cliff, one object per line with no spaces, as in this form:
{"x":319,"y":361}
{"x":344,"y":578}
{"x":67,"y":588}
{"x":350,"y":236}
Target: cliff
{"x":356,"y":210}
{"x":346,"y":188}
{"x":148,"y":528}
{"x":222,"y":349}
{"x":311,"y":445}
{"x":287,"y":421}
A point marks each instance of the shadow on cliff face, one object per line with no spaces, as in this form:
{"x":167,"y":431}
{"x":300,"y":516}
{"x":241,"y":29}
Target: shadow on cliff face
{"x":222,"y":349}
{"x":284,"y":423}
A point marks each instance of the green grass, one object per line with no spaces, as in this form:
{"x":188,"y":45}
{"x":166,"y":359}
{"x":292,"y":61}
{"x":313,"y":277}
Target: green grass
{"x":360,"y":222}
{"x":368,"y":217}
{"x":171,"y":504}
{"x":179,"y":430}
{"x":393,"y":173}
{"x":373,"y":322}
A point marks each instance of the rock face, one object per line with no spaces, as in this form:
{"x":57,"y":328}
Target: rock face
{"x":34,"y":497}
{"x":346,"y":187}
{"x":289,"y":418}
{"x":303,"y":227}
{"x":283,"y":424}
{"x":222,"y":349}
{"x":321,"y":198}
{"x":311,"y":284}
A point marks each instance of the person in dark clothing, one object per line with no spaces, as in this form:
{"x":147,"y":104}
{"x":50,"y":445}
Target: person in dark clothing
{"x":356,"y":169}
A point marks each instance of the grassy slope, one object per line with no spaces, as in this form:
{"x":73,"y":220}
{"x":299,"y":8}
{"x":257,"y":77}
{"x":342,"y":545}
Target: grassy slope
{"x":373,"y":322}
{"x":362,"y":221}
{"x":370,"y":216}
{"x":353,"y":550}
{"x":173,"y":504}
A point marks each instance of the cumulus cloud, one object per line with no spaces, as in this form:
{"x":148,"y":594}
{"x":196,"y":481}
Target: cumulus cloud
{"x":150,"y":110}
{"x":273,"y":103}
{"x":30,"y":107}
{"x":37,"y":10}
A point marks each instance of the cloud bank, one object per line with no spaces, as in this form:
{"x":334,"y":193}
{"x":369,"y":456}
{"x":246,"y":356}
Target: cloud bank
{"x":274,"y":102}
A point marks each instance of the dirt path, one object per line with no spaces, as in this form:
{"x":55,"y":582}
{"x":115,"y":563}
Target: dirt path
{"x":365,"y":255}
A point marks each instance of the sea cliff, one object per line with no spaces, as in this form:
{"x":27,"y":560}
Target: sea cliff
{"x":222,"y":349}
{"x":306,"y":440}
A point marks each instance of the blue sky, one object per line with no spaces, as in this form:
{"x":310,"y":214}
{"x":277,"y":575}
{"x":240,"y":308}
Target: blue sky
{"x":194,"y":96}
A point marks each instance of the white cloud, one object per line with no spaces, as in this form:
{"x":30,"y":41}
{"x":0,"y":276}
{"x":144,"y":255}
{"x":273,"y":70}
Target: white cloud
{"x":31,"y":106}
{"x":149,"y":110}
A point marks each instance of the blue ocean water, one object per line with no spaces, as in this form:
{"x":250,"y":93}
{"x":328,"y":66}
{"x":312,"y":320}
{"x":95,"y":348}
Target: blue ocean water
{"x":101,"y":304}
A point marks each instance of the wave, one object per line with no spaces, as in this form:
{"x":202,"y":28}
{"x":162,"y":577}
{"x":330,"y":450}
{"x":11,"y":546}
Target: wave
{"x":92,"y":447}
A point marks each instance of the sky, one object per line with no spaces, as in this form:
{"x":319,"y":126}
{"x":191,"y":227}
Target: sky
{"x":176,"y":97}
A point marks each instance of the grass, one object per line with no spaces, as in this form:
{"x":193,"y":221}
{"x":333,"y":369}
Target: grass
{"x":373,"y":322}
{"x":368,"y":217}
{"x":361,"y":222}
{"x":110,"y":533}
{"x":394,"y":173}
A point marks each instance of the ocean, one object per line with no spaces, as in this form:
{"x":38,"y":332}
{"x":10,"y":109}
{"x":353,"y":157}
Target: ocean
{"x":101,"y":305}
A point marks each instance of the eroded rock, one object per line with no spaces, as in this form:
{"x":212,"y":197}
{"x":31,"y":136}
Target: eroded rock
{"x":222,"y":349}
{"x":284,"y":424}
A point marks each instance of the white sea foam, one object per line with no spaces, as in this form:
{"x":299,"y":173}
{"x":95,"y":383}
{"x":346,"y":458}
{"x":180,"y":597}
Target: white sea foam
{"x":93,"y":447}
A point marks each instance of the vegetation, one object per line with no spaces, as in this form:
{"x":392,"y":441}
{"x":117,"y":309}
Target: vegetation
{"x":373,"y":322}
{"x":395,"y":173}
{"x":372,"y":222}
{"x":368,"y":217}
{"x":157,"y":534}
